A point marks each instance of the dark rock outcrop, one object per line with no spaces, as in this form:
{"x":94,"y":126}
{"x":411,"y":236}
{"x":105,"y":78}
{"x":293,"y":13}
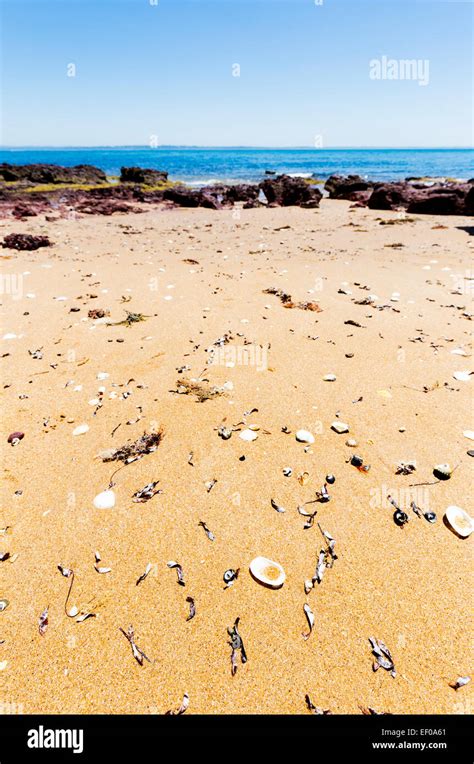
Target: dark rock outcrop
{"x":25,"y":241}
{"x":241,"y":192}
{"x":350,"y":187}
{"x":142,"y":175}
{"x":182,"y":196}
{"x":51,"y":173}
{"x":437,"y":199}
{"x":286,"y":192}
{"x":21,"y":211}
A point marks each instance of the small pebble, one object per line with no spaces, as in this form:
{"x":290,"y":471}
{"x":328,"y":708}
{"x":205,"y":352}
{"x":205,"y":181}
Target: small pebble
{"x":304,"y":436}
{"x":81,"y":429}
{"x":340,"y":427}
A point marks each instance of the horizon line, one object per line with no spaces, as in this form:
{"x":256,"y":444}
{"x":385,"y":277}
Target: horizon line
{"x":237,"y":146}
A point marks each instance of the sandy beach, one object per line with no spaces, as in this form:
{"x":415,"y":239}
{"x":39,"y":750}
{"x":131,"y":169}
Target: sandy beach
{"x":197,"y":276}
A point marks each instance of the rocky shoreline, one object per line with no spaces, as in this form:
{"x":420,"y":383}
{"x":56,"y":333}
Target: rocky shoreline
{"x":55,"y":191}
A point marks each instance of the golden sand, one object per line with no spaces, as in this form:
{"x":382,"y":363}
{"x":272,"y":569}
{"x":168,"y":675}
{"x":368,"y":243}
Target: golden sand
{"x":408,"y":587}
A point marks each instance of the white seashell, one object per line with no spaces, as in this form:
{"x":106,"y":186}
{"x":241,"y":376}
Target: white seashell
{"x":105,"y":500}
{"x":248,"y":435}
{"x":73,"y":611}
{"x":9,"y":336}
{"x":94,"y":402}
{"x":268,"y":572}
{"x":81,"y":429}
{"x":340,"y":427}
{"x":469,"y":434}
{"x":3,"y":665}
{"x":304,"y":436}
{"x":351,"y":442}
{"x":462,"y":376}
{"x":460,"y":521}
{"x":459,"y":351}
{"x":329,"y":378}
{"x":395,"y":297}
{"x":102,"y":375}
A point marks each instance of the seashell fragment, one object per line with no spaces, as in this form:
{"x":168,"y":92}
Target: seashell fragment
{"x":329,"y":378}
{"x":469,"y":434}
{"x":81,"y":429}
{"x":304,"y":436}
{"x":267,"y":572}
{"x":248,"y":435}
{"x":3,"y":605}
{"x":461,"y":681}
{"x":277,"y":506}
{"x":43,"y":622}
{"x":105,"y":500}
{"x":84,"y":617}
{"x":462,"y":376}
{"x":15,"y":437}
{"x":340,"y":427}
{"x":459,"y":521}
{"x":310,"y":618}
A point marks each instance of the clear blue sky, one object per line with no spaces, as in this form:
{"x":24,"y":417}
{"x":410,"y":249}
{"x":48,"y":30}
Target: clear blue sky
{"x":166,"y":70}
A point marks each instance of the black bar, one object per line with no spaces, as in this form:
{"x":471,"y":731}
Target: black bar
{"x":132,"y":738}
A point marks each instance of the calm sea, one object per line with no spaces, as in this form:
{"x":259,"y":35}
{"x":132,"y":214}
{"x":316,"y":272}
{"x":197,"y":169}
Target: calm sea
{"x":206,"y":165}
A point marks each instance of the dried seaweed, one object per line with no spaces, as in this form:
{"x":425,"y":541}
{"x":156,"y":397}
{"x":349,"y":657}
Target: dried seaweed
{"x":315,"y":709}
{"x":131,"y":318}
{"x":405,"y":468}
{"x":192,"y":608}
{"x":383,"y":657}
{"x":144,"y":574}
{"x":201,"y":389}
{"x":326,"y":557}
{"x":310,"y":618}
{"x":67,"y":573}
{"x":184,"y":705}
{"x":138,"y":654}
{"x":179,"y":571}
{"x":43,"y":622}
{"x":237,"y":644}
{"x":146,"y":493}
{"x":208,"y":532}
{"x":130,"y":452}
{"x":288,"y":302}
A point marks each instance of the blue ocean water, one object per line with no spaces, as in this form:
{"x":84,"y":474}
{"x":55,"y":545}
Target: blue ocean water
{"x":206,"y":165}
